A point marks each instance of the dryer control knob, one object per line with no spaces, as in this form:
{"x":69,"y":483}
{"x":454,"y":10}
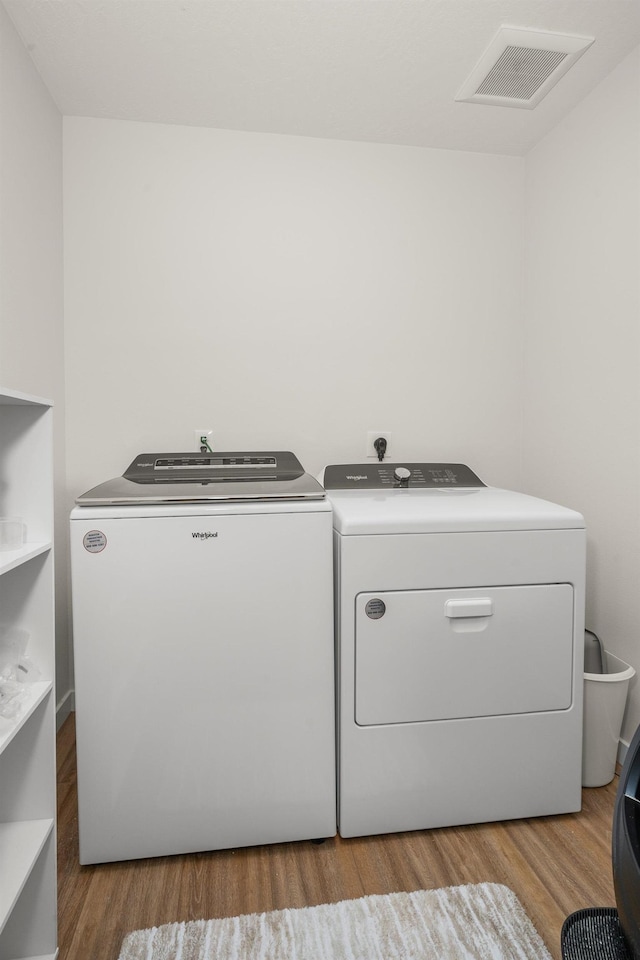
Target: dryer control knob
{"x":402,"y":474}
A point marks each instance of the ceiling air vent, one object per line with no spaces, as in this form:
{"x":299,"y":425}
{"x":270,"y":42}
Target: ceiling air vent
{"x":520,"y":66}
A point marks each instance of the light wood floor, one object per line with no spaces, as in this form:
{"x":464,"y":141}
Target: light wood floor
{"x":555,"y":865}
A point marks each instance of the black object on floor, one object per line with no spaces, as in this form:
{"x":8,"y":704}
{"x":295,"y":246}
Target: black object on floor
{"x":593,"y":933}
{"x":626,"y":847}
{"x":607,"y":933}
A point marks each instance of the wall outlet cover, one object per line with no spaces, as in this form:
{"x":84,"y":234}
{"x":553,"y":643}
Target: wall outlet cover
{"x":197,"y":438}
{"x":372,"y":436}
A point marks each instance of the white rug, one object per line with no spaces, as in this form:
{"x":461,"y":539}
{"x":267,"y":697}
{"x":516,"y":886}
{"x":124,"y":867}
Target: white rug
{"x":483,"y":921}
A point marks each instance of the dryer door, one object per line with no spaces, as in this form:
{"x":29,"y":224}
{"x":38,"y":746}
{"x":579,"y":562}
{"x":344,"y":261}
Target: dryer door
{"x":445,"y":654}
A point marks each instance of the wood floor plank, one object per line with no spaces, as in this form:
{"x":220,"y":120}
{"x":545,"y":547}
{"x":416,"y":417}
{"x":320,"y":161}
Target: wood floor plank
{"x":555,"y":865}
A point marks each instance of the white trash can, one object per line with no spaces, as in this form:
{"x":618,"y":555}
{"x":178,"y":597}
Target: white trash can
{"x":605,"y":697}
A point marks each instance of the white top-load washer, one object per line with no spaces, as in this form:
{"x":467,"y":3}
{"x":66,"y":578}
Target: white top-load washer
{"x":204,"y":665}
{"x":460,"y":638}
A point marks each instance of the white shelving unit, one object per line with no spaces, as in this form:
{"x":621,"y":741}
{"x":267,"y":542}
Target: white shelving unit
{"x":28,"y":900}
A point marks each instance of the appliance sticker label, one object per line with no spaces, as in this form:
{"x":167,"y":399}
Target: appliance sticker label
{"x":95,"y":541}
{"x":375,"y":609}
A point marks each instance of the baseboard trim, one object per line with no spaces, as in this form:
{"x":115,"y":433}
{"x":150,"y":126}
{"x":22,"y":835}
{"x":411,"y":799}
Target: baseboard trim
{"x":623,"y":746}
{"x":64,"y":707}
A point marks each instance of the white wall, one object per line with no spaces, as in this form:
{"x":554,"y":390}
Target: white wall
{"x":31,"y":287}
{"x":290,"y":293}
{"x":582,"y":348}
{"x":31,"y":332}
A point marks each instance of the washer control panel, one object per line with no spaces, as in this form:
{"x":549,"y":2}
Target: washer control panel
{"x":383,"y":476}
{"x":210,"y":467}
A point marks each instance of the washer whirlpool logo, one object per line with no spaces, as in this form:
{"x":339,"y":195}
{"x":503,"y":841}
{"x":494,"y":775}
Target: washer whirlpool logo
{"x":357,"y":476}
{"x":204,"y":535}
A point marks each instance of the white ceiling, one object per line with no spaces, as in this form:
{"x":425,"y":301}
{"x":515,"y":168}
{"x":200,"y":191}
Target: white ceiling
{"x":385,"y":71}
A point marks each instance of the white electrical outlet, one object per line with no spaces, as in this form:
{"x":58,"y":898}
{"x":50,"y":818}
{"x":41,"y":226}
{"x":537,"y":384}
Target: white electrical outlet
{"x":372,"y":436}
{"x":203,"y":438}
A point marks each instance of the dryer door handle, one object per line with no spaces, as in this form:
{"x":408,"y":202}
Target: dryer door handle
{"x":469,"y":607}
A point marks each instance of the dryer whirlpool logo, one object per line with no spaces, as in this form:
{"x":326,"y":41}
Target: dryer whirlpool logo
{"x":204,"y":535}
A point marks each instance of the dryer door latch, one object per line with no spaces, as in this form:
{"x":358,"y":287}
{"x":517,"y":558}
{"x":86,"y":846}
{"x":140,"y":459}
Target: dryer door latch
{"x":469,"y":607}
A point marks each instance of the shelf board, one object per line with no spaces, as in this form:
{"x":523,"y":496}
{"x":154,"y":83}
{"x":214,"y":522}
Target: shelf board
{"x":20,"y":846}
{"x":16,"y":397}
{"x":10,"y":559}
{"x":36,"y":692}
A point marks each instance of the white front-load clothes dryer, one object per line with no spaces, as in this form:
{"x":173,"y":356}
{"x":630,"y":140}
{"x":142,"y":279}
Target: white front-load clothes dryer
{"x":460,"y":639}
{"x":203,"y":639}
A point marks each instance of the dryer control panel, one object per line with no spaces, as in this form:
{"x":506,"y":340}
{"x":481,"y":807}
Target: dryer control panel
{"x":383,"y":476}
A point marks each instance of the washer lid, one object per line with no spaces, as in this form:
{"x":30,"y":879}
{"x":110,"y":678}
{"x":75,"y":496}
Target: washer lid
{"x":154,"y":478}
{"x":375,"y":512}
